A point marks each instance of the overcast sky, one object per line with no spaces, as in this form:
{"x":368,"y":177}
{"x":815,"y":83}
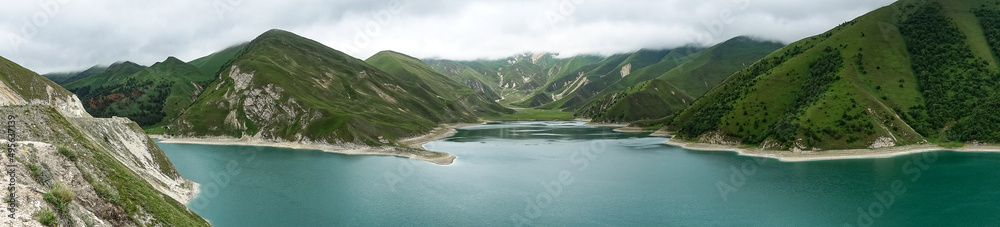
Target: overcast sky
{"x":69,"y":35}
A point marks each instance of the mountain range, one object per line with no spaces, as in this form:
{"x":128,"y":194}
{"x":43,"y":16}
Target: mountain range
{"x":867,"y":83}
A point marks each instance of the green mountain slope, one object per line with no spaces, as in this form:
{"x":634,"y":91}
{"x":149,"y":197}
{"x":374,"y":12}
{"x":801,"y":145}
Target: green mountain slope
{"x":215,"y":62}
{"x":616,"y":74}
{"x":455,"y":96}
{"x":112,"y":73}
{"x":682,"y":78}
{"x":85,"y":170}
{"x":68,"y":77}
{"x":284,"y":87}
{"x":150,"y":96}
{"x":514,"y":79}
{"x":904,"y":73}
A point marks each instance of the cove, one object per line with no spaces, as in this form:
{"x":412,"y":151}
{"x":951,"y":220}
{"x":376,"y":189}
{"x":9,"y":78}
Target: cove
{"x":568,"y":173}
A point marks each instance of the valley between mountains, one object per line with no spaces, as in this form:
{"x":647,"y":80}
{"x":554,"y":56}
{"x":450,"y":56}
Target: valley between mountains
{"x":910,"y":77}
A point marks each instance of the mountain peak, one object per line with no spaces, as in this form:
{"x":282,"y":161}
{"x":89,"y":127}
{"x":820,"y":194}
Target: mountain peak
{"x":172,"y":59}
{"x":277,"y":34}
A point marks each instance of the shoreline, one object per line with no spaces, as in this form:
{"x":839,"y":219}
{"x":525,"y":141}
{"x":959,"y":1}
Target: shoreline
{"x":822,"y":155}
{"x":416,"y":143}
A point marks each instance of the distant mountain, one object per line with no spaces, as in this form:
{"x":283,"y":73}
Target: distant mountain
{"x":412,"y":70}
{"x":907,"y":73}
{"x":216,"y":62}
{"x":150,"y":96}
{"x":545,"y":81}
{"x":283,"y":87}
{"x":513,"y":79}
{"x":76,"y":170}
{"x":100,"y":74}
{"x":675,"y":83}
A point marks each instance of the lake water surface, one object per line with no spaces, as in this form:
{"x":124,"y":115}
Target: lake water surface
{"x":570,"y":174}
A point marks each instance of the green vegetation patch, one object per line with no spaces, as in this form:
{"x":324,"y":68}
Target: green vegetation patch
{"x":954,"y":82}
{"x":535,"y":114}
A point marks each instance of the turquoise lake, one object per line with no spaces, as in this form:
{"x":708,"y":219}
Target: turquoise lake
{"x":570,"y":174}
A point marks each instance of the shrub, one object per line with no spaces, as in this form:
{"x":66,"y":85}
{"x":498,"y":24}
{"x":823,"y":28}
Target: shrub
{"x":40,"y":174}
{"x":66,"y":152}
{"x":63,"y":193}
{"x":45,"y":217}
{"x":60,"y":196}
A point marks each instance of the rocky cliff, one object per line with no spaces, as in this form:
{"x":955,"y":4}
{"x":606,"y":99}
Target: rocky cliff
{"x":75,"y":170}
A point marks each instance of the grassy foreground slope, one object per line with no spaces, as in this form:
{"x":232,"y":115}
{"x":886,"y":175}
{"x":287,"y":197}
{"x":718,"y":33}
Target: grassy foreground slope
{"x":283,"y":87}
{"x":82,"y":171}
{"x":901,"y":74}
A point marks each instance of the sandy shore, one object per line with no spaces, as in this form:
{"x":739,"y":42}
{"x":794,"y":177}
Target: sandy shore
{"x":801,"y":156}
{"x":416,"y":143}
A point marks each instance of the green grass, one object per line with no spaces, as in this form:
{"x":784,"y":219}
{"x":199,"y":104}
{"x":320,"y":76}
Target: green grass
{"x":46,"y":217}
{"x":216,"y":62}
{"x":951,"y":144}
{"x":67,"y":153}
{"x":154,"y":129}
{"x":535,"y":114}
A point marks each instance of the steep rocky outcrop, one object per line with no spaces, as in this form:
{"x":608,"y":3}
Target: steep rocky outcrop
{"x":284,"y":88}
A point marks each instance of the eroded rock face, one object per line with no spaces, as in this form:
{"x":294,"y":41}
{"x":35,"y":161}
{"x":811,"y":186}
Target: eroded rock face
{"x":264,"y":106}
{"x":41,"y":165}
{"x":718,"y":138}
{"x":626,"y":70}
{"x":883,"y":142}
{"x":137,"y":151}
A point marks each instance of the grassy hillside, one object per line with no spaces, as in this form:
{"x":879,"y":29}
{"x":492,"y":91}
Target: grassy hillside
{"x":68,"y":77}
{"x":652,"y":99}
{"x":413,"y":70}
{"x":513,"y":79}
{"x":865,"y":83}
{"x":150,"y":96}
{"x":289,"y":88}
{"x":113,"y":73}
{"x":679,"y":80}
{"x":215,"y":62}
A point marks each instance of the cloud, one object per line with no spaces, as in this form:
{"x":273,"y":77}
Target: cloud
{"x":65,"y":35}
